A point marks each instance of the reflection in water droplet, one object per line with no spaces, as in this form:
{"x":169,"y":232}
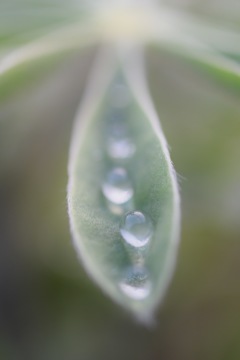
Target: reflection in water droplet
{"x":120,"y":96}
{"x":120,"y":148}
{"x":136,"y":283}
{"x":119,"y":143}
{"x":117,"y":187}
{"x":136,"y":229}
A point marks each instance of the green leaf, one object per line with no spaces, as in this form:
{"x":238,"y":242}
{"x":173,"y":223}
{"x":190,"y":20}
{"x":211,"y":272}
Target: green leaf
{"x":207,"y":33}
{"x":24,"y":64}
{"x":62,"y":40}
{"x":34,"y":35}
{"x":23,"y":77}
{"x":24,"y":20}
{"x":224,"y":12}
{"x":215,"y":47}
{"x":119,"y":163}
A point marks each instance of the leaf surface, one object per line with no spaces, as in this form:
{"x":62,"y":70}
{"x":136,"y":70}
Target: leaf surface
{"x":117,"y":128}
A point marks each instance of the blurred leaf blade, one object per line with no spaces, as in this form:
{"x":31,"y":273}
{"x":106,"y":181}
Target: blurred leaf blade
{"x":36,"y":35}
{"x":95,"y":221}
{"x":22,"y":21}
{"x":209,"y":44}
{"x":21,"y":65}
{"x":219,"y":64}
{"x":225,"y":13}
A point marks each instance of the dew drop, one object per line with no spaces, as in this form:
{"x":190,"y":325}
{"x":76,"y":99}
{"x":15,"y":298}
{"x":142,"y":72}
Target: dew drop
{"x":117,"y":187}
{"x":120,"y":148}
{"x":119,"y":142}
{"x":136,"y":229}
{"x":136,"y":283}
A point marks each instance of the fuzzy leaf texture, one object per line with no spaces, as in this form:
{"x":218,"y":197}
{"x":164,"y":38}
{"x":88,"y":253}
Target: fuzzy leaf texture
{"x":119,"y":164}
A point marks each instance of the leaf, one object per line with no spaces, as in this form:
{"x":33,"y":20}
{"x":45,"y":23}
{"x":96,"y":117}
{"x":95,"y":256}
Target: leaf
{"x":24,"y":20}
{"x":65,"y":39}
{"x":119,"y":163}
{"x":21,"y":66}
{"x":224,"y":12}
{"x":43,"y":33}
{"x":206,"y":56}
{"x":25,"y":76}
{"x":204,"y":37}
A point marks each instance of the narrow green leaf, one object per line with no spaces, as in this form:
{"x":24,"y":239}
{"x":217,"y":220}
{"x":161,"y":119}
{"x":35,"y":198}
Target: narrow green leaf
{"x":222,"y":64}
{"x":119,"y":164}
{"x":224,"y":12}
{"x":210,"y":43}
{"x":64,"y":39}
{"x":24,"y":20}
{"x":22,"y":66}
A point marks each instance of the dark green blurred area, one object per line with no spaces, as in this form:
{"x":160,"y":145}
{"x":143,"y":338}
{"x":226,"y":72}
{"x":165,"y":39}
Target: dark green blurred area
{"x":49,"y":308}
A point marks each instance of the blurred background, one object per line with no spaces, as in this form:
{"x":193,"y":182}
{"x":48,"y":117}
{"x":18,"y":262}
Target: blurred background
{"x":49,"y":308}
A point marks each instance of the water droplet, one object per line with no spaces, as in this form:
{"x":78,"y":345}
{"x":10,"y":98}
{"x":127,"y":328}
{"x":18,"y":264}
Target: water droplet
{"x":117,"y":187}
{"x":119,"y":143}
{"x":120,"y":148}
{"x":136,"y":229}
{"x":120,"y":96}
{"x":136,"y":283}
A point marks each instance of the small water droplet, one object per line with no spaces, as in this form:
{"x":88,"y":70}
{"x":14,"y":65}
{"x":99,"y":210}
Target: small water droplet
{"x":136,"y":283}
{"x":117,"y":187}
{"x":120,"y":96}
{"x":136,"y":229}
{"x":119,"y":143}
{"x":118,"y":148}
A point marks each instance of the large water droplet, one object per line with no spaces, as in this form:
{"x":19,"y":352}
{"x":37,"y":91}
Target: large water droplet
{"x":136,"y":229}
{"x":117,"y":187}
{"x":136,"y":283}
